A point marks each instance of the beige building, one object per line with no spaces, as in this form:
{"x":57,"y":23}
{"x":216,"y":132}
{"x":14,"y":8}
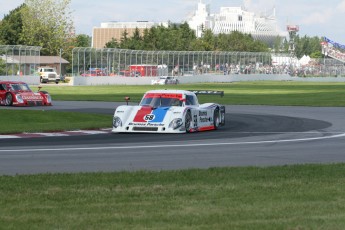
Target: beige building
{"x":108,"y":30}
{"x":27,"y":65}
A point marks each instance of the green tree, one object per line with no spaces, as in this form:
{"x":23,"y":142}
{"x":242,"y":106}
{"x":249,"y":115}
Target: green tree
{"x":82,"y":40}
{"x":164,"y":41}
{"x":112,"y":44}
{"x":208,"y":40}
{"x":237,"y":41}
{"x":11,"y":27}
{"x":124,"y":40}
{"x":48,"y":23}
{"x":307,"y":46}
{"x":278,"y":44}
{"x":2,"y":67}
{"x":149,"y":39}
{"x":135,"y":42}
{"x":187,"y":36}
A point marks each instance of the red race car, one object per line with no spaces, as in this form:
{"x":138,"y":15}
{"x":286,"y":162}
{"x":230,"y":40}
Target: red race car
{"x":19,"y":94}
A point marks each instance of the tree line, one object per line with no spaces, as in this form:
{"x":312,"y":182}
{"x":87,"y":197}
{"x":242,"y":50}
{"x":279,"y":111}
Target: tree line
{"x":182,"y":38}
{"x":49,"y":24}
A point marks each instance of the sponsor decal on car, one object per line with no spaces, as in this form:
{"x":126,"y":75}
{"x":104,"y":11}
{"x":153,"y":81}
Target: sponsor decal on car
{"x":146,"y":124}
{"x":203,"y":117}
{"x":32,"y":97}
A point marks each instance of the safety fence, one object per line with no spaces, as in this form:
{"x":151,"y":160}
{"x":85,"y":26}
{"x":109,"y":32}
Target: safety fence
{"x":23,"y":60}
{"x":122,"y":62}
{"x":19,"y":60}
{"x":134,"y":63}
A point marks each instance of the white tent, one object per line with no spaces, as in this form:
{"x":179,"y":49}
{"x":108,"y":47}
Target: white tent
{"x":304,"y":60}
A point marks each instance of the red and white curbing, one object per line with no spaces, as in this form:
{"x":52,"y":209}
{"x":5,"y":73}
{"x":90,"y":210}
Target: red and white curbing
{"x":56,"y":134}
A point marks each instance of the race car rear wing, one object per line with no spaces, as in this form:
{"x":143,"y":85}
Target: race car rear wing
{"x":207,"y":92}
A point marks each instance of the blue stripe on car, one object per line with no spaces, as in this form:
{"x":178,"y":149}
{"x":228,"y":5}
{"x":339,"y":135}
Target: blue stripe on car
{"x":160,"y":114}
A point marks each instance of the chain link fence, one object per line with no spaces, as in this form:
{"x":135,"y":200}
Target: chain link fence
{"x":19,"y":60}
{"x":123,"y":62}
{"x":322,"y":67}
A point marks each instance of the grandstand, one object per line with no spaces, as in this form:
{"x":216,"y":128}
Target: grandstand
{"x":333,"y":49}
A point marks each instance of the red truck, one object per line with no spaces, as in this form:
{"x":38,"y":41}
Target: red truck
{"x":143,"y":70}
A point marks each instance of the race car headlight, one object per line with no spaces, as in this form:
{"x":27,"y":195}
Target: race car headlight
{"x":49,"y":98}
{"x":176,"y":123}
{"x":117,"y":122}
{"x":19,"y":98}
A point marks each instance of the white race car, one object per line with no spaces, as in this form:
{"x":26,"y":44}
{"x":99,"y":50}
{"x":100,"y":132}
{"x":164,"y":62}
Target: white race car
{"x":165,"y":80}
{"x":169,"y":111}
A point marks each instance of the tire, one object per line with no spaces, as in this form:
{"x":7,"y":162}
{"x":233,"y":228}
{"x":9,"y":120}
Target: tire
{"x":9,"y":99}
{"x":188,"y":121}
{"x":41,"y":80}
{"x":216,"y":118}
{"x":57,"y":82}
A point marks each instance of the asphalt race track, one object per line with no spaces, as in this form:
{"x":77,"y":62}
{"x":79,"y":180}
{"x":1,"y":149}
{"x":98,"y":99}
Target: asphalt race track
{"x":253,"y":136}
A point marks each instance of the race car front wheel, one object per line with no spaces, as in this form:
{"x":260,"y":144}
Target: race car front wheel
{"x":8,"y":99}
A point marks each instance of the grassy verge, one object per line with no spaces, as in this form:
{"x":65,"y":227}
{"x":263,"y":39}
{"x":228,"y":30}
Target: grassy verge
{"x":289,"y":197}
{"x":239,"y":93}
{"x":15,"y":121}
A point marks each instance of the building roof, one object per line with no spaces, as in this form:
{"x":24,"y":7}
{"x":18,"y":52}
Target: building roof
{"x":34,"y":59}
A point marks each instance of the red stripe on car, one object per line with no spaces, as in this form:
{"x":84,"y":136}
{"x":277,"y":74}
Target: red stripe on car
{"x":139,"y":117}
{"x":206,"y":128}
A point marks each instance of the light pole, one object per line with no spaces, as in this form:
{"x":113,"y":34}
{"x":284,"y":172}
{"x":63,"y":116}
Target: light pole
{"x":60,"y":65}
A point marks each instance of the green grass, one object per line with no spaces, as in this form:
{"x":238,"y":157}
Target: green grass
{"x":288,"y":197}
{"x":19,"y":121}
{"x":239,"y":93}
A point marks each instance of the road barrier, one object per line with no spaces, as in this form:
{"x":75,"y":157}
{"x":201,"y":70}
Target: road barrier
{"x":205,"y":78}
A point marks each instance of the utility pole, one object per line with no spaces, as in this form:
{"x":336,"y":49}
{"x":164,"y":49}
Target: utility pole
{"x":292,"y":29}
{"x":60,"y":64}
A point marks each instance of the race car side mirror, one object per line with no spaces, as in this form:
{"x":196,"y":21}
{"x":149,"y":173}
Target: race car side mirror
{"x":39,"y":88}
{"x":127,"y":99}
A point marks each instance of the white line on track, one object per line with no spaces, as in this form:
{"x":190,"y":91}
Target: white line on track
{"x":176,"y":145}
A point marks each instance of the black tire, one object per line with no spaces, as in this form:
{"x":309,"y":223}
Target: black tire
{"x":188,"y":121}
{"x":9,"y":99}
{"x":216,"y":118}
{"x":41,"y":80}
{"x":57,"y":82}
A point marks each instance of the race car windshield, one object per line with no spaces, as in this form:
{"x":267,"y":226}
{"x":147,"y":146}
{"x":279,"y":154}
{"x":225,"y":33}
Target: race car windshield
{"x":20,"y":87}
{"x":160,"y":102}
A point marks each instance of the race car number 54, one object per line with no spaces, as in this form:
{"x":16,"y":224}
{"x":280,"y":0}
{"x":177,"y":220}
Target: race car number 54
{"x":149,"y":117}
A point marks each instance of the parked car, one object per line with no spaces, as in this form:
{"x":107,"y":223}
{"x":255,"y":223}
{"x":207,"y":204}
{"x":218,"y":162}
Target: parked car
{"x":95,"y":72}
{"x":169,"y":111}
{"x":127,"y":73}
{"x":19,"y":94}
{"x":165,"y":80}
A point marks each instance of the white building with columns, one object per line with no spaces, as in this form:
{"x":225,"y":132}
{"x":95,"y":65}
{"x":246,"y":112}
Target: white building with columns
{"x":261,"y":27}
